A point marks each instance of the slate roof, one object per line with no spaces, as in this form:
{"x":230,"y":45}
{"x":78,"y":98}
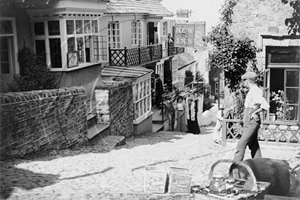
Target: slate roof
{"x":185,"y":59}
{"x":125,"y":72}
{"x":152,"y":7}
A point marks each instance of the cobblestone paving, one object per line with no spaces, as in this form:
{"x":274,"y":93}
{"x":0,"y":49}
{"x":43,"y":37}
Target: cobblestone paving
{"x":98,"y":173}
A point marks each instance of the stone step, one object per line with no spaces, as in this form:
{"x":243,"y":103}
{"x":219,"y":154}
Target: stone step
{"x":95,"y":129}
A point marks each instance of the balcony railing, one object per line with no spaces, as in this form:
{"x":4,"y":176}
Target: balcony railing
{"x":140,"y":55}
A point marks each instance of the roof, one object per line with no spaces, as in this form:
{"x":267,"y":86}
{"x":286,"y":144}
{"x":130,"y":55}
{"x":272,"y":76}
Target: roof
{"x":185,"y":59}
{"x":152,"y":7}
{"x":125,"y":72}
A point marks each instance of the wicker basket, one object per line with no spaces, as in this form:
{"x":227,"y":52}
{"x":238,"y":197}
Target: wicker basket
{"x":237,"y":188}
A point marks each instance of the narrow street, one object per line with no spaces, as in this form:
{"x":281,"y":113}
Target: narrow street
{"x":101,"y":173}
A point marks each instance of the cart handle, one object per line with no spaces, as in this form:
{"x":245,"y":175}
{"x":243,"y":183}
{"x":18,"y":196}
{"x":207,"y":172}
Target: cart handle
{"x":253,"y":179}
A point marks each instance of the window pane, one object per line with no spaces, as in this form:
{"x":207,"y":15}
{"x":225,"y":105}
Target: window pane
{"x":292,"y":78}
{"x":70,"y":27}
{"x":53,"y":27}
{"x":291,"y":112}
{"x":4,"y":59}
{"x":39,"y":28}
{"x":6,"y":27}
{"x":292,"y":95}
{"x":71,"y":44}
{"x":40,"y":47}
{"x":79,"y":29}
{"x":285,"y":55}
{"x":55,"y":53}
{"x":87,"y":26}
{"x":136,"y":110}
{"x":80,"y":50}
{"x":95,"y":26}
{"x":141,"y":108}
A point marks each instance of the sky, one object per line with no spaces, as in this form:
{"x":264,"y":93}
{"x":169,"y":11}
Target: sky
{"x":202,"y":10}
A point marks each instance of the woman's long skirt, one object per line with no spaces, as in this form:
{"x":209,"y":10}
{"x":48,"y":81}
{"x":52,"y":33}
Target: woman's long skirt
{"x":181,"y":126}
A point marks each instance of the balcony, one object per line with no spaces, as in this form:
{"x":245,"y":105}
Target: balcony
{"x":141,"y":55}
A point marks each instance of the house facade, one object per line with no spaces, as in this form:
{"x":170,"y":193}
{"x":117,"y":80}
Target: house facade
{"x":264,"y":22}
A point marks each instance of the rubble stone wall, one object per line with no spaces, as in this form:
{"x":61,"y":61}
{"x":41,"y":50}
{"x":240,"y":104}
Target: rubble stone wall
{"x":255,"y":17}
{"x":42,"y":120}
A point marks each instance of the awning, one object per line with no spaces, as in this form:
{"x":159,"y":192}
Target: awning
{"x":125,"y":72}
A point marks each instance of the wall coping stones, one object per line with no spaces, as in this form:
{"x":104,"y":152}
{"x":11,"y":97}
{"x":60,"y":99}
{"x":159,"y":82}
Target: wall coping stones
{"x":12,"y":97}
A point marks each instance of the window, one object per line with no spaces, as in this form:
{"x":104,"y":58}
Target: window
{"x":83,"y":43}
{"x":165,"y":28}
{"x":48,"y":33}
{"x":136,"y":33}
{"x":89,"y":46}
{"x":174,"y":70}
{"x":7,"y":46}
{"x":114,"y":39}
{"x":282,"y":80}
{"x":142,"y":99}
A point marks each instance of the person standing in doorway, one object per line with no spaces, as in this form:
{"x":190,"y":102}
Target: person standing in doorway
{"x":180,"y":115}
{"x":254,"y":104}
{"x":159,"y":91}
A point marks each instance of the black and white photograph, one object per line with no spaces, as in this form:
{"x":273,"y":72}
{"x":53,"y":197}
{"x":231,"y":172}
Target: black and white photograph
{"x":150,"y":99}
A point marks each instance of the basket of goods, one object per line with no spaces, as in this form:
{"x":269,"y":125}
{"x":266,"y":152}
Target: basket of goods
{"x":232,"y":186}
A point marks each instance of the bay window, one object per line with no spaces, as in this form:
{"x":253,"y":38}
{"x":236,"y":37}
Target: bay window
{"x":67,"y":43}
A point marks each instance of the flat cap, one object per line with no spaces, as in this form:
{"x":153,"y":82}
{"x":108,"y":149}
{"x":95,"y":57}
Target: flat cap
{"x":249,"y":75}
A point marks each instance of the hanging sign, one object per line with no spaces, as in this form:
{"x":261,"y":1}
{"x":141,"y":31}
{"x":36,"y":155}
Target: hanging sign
{"x":184,"y":35}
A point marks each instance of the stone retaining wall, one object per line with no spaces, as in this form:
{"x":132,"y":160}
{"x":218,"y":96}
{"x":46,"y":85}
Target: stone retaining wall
{"x":120,"y":107}
{"x":41,"y":120}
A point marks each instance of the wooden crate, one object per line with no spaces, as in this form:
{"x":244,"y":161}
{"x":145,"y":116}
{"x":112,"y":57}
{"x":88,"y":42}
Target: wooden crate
{"x":155,"y":180}
{"x":179,"y":181}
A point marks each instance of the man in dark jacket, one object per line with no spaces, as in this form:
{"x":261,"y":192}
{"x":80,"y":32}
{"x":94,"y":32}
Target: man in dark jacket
{"x":159,"y":91}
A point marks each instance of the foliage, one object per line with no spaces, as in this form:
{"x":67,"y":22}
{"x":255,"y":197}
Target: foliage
{"x":232,"y":54}
{"x":278,"y":99}
{"x":293,"y":23}
{"x":34,"y":74}
{"x":189,"y":77}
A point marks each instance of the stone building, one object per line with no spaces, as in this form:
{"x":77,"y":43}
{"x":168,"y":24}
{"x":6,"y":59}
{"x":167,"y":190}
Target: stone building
{"x":263,"y":21}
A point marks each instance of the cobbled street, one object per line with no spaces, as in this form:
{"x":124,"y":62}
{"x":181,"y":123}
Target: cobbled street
{"x":100,"y":173}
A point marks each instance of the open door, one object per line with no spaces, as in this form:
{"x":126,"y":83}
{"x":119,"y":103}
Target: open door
{"x":267,"y":91}
{"x":150,"y":33}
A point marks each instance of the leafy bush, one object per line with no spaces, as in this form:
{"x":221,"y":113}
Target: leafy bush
{"x":34,"y":74}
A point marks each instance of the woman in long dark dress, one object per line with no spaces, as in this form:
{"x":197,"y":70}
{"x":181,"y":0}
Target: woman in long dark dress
{"x":193,"y":126}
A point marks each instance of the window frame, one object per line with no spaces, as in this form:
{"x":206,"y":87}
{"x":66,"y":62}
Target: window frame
{"x":136,"y":32}
{"x":142,"y":98}
{"x":110,"y":35}
{"x":14,"y":64}
{"x":102,"y":51}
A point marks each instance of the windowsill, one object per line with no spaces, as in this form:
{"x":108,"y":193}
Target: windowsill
{"x":81,"y":66}
{"x":143,"y":117}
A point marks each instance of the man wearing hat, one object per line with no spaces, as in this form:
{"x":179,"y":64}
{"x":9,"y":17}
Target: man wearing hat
{"x":254,"y":104}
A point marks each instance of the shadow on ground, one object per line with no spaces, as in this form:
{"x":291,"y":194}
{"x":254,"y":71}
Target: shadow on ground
{"x":13,"y":177}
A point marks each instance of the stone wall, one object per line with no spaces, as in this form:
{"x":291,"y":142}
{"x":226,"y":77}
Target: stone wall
{"x":255,"y":17}
{"x":42,"y":120}
{"x":120,"y":107}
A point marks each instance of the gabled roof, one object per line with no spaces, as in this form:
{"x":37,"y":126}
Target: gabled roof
{"x":185,"y":59}
{"x":151,"y":7}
